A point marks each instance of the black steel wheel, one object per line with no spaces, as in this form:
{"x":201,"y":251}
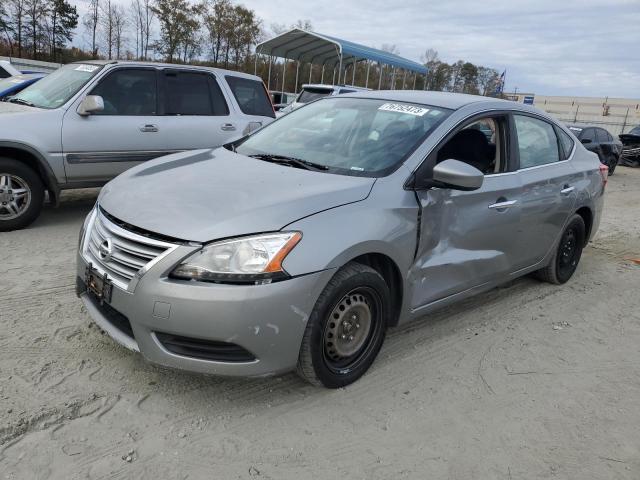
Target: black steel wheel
{"x":346,"y":328}
{"x":567,"y":255}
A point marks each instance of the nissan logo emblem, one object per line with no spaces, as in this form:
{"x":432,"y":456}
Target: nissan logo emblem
{"x":106,"y":250}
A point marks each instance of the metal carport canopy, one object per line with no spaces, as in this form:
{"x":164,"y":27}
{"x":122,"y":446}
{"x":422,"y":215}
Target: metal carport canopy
{"x":317,"y":48}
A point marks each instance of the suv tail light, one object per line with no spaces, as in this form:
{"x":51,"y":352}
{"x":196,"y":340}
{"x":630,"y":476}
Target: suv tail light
{"x":604,"y":173}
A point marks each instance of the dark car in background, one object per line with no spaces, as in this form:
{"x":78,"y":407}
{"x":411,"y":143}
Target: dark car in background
{"x":601,"y":142}
{"x":631,"y":147}
{"x":15,"y":84}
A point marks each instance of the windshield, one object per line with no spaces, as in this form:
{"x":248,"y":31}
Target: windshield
{"x":56,"y":88}
{"x":310,"y":94}
{"x":351,"y":136}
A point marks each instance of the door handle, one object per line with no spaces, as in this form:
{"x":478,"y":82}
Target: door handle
{"x":149,"y":128}
{"x":228,"y":127}
{"x":503,"y":205}
{"x":567,"y":190}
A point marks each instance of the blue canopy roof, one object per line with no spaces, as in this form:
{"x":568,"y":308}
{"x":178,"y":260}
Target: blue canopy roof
{"x":317,"y":48}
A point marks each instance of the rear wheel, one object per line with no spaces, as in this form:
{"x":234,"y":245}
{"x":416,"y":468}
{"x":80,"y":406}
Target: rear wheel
{"x":346,"y":328}
{"x":565,"y":260}
{"x":612,"y":163}
{"x":21,"y":195}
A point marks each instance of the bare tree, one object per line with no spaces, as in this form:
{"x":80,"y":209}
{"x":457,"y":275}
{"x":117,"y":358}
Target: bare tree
{"x":107,"y":26}
{"x":119,"y":26}
{"x":91,"y":21}
{"x":17,"y":13}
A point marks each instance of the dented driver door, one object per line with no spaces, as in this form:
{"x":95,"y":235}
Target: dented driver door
{"x":467,"y":238}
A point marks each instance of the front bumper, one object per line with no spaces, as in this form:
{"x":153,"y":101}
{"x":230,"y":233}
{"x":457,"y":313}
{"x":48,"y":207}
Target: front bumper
{"x":268,"y":321}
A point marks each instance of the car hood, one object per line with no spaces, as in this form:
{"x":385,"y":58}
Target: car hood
{"x":205,"y":195}
{"x":7,"y":107}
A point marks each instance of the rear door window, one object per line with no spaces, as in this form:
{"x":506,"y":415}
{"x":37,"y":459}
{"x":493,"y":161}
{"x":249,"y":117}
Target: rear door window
{"x":193,"y":93}
{"x":537,"y":142}
{"x":251,"y":96}
{"x":589,"y":134}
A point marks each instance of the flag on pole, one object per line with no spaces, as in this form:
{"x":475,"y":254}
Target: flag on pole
{"x":500,"y":85}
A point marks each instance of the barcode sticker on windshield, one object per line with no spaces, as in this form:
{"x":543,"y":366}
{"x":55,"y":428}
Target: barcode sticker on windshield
{"x":86,"y":68}
{"x":400,"y":108}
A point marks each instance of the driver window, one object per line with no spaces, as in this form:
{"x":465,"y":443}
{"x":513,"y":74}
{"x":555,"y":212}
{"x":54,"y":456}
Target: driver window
{"x":479,"y":144}
{"x":128,"y":92}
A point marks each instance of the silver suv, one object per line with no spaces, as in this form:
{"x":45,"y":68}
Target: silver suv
{"x":88,"y":122}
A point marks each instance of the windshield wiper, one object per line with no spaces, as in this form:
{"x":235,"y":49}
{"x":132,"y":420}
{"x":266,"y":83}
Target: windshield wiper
{"x":291,"y":161}
{"x":20,"y":101}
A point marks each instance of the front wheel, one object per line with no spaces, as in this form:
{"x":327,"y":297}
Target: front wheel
{"x":21,"y":195}
{"x":346,"y":329}
{"x":567,"y":255}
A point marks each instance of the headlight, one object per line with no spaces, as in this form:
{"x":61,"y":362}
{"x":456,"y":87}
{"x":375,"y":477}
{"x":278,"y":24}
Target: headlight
{"x":255,"y":259}
{"x":83,"y":230}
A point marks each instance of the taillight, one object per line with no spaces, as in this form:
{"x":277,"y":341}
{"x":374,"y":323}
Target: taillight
{"x":604,"y":173}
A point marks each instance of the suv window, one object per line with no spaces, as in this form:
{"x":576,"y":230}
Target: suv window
{"x":251,"y":96}
{"x":588,"y":134}
{"x":193,"y":93}
{"x":128,"y":92}
{"x":537,"y":142}
{"x":309,"y":94}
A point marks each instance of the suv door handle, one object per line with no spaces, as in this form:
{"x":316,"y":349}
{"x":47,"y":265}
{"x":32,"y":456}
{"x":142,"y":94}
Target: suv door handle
{"x":503,"y":205}
{"x":149,"y":128}
{"x":567,"y":190}
{"x":228,"y":127}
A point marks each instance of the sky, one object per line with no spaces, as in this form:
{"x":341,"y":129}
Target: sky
{"x":547,"y":47}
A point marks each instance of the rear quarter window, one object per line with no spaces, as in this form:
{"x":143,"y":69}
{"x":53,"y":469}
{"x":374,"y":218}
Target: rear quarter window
{"x":251,"y":96}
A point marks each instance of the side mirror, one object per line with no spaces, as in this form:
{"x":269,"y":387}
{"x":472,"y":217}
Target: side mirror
{"x":586,"y":140}
{"x":458,"y":175}
{"x":90,"y":104}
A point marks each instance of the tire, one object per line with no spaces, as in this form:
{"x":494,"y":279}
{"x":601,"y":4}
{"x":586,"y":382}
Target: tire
{"x":565,"y":259}
{"x":333,"y":353}
{"x":612,"y":163}
{"x":17,"y":210}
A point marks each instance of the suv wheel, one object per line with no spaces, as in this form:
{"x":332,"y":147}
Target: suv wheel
{"x":567,"y":255}
{"x":21,"y":195}
{"x":346,"y":328}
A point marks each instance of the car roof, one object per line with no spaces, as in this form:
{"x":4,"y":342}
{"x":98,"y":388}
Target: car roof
{"x":448,"y":100}
{"x":220,"y":71}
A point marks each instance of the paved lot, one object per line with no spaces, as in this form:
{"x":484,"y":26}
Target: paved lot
{"x":527,"y":381}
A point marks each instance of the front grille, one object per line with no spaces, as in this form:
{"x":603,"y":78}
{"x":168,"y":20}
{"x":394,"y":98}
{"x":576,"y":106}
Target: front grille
{"x":204,"y":349}
{"x":130,"y":252}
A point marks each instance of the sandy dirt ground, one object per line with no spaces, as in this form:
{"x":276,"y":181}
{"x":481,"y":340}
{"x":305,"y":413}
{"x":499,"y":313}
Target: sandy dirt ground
{"x":529,"y":381}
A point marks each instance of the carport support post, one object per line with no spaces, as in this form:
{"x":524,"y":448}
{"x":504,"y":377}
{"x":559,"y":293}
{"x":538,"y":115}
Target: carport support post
{"x":297,"y":71}
{"x":310,"y":71}
{"x":255,"y":66}
{"x":284,"y":73}
{"x":393,"y":79}
{"x":339,"y":68}
{"x":424,"y":87}
{"x":322,"y":74}
{"x":353,"y":76}
{"x":380,"y":76}
{"x":333,"y":79}
{"x":269,"y":78}
{"x":366,"y":82}
{"x":404,"y":79}
{"x":415,"y":77}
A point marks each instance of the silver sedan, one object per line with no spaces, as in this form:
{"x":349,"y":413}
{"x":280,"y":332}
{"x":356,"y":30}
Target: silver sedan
{"x":296,"y":247}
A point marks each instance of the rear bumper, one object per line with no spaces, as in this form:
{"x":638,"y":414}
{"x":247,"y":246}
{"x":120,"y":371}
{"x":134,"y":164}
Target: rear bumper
{"x":267,"y":321}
